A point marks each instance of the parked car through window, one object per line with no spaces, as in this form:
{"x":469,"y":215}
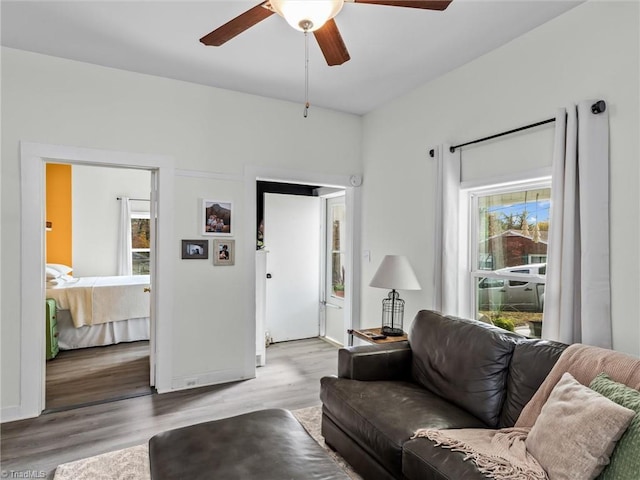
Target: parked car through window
{"x":513,"y":295}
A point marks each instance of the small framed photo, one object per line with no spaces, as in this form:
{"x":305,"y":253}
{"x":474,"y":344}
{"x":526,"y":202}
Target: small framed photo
{"x":224,"y":252}
{"x":216,"y":218}
{"x":195,"y":249}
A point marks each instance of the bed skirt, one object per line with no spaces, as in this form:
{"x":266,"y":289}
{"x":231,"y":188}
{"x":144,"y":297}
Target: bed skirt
{"x":70,"y":337}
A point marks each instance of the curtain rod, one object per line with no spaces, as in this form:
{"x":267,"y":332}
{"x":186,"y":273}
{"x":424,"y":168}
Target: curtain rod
{"x":526,"y":127}
{"x":598,"y":107}
{"x":136,"y":199}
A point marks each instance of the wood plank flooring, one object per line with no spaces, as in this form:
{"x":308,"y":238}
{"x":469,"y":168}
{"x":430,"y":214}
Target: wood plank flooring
{"x":97,"y":374}
{"x":291,"y":380}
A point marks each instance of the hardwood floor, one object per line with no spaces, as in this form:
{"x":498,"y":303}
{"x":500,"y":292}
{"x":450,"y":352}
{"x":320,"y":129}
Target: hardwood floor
{"x":291,"y":380}
{"x":97,"y":374}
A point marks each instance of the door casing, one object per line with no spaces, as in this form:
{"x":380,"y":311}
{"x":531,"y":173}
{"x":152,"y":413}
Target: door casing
{"x":33,"y":157}
{"x":353,"y":208}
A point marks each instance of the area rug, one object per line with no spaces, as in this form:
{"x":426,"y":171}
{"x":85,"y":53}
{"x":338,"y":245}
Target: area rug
{"x":133,"y":463}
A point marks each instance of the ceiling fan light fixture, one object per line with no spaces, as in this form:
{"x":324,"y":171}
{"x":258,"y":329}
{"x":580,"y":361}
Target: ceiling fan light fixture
{"x":307,"y":15}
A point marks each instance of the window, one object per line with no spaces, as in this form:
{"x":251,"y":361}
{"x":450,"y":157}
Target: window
{"x":508,"y":251}
{"x":140,"y":242}
{"x":537,"y":259}
{"x":335,"y":246}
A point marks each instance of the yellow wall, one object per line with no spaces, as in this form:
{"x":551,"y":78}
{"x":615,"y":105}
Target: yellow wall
{"x":59,"y":214}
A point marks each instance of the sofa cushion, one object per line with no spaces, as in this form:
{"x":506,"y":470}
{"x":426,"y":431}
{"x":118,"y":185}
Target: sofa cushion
{"x":381,"y":416}
{"x":422,"y":460}
{"x":463,"y":361}
{"x":531,"y":362}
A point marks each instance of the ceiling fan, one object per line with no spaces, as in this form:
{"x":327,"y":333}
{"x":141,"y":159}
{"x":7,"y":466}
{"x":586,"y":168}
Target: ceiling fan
{"x":309,"y":16}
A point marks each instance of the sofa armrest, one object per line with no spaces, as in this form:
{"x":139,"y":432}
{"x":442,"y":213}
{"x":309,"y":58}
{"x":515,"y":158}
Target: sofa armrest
{"x":375,"y":362}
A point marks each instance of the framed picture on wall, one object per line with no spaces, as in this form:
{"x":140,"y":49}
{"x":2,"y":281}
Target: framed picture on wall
{"x":224,"y":252}
{"x":195,"y":249}
{"x":217,"y":218}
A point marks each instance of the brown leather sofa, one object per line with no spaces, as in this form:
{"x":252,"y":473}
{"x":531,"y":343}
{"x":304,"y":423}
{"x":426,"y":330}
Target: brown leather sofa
{"x":452,"y":373}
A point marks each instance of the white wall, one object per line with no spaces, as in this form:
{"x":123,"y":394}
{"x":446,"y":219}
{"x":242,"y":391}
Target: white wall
{"x":592,"y":51}
{"x":211,"y":134}
{"x":96,"y":214}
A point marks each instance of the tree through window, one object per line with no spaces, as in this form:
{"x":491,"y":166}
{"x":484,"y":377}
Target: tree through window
{"x":140,"y":243}
{"x":509,"y":233}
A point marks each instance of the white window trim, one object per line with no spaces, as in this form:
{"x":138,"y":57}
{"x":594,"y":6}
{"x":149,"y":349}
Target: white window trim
{"x":468,"y":231}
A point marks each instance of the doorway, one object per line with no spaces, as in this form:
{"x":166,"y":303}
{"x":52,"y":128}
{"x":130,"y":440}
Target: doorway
{"x":89,"y":209}
{"x":330,"y":292}
{"x":33,"y":157}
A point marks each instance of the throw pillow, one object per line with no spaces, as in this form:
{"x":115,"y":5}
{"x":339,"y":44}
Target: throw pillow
{"x":576,"y":431}
{"x":625,"y":459}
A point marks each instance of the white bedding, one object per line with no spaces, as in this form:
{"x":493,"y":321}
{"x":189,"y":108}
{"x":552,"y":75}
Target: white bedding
{"x":98,"y":300}
{"x":70,"y":337}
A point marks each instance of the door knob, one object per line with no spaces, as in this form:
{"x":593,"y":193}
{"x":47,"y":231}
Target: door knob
{"x":147,"y":289}
{"x":268,"y":275}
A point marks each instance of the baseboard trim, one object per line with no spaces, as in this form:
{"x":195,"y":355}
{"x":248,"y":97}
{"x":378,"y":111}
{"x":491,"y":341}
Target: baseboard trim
{"x":210,"y":378}
{"x":11,"y":414}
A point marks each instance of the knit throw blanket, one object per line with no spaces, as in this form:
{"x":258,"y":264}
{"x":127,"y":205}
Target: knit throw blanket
{"x":501,"y":454}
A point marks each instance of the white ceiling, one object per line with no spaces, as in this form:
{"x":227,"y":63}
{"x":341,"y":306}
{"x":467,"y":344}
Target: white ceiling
{"x":393,"y":49}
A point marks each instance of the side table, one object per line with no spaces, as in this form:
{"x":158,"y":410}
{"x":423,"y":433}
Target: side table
{"x":367,"y":334}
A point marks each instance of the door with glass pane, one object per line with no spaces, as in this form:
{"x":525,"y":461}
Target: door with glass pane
{"x":335,"y":268}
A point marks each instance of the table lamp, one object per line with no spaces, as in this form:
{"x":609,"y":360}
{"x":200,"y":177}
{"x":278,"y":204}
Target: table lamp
{"x":395,"y":273}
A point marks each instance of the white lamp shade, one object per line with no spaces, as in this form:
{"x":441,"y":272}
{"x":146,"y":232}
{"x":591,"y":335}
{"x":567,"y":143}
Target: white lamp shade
{"x":395,"y":272}
{"x":298,"y":12}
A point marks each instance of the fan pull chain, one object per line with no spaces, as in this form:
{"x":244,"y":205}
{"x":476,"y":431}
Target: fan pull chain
{"x":306,"y":74}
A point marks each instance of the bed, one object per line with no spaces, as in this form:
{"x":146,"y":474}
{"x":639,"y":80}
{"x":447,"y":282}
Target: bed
{"x":97,"y":311}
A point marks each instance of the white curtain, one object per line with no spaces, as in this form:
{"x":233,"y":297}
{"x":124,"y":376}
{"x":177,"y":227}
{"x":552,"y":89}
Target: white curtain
{"x":124,"y":238}
{"x":577,"y":294}
{"x":447,"y":236}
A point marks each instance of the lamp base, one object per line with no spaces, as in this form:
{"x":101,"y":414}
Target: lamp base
{"x":392,"y":332}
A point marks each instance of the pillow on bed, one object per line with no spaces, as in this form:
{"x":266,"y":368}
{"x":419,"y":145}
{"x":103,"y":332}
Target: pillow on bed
{"x":52,"y":273}
{"x":59,"y":281}
{"x":63,"y":269}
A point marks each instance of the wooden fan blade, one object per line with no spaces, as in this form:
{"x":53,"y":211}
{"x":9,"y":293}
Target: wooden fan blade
{"x":331,"y":43}
{"x":424,"y":4}
{"x":236,"y":26}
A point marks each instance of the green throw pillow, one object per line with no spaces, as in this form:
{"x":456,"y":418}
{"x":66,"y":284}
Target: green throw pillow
{"x":625,"y":459}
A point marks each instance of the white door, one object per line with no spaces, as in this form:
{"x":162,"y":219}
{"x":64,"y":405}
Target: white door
{"x":292,"y":238}
{"x":335,"y":273}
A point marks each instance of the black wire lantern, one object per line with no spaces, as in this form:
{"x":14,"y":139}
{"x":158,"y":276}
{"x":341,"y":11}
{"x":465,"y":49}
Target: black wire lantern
{"x":392,"y":315}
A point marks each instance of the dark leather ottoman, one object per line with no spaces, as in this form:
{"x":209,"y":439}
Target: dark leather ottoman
{"x":266,"y":444}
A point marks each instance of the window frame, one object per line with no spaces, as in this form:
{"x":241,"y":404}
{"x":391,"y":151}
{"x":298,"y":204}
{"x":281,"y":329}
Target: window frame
{"x":469,"y":234}
{"x":335,"y":200}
